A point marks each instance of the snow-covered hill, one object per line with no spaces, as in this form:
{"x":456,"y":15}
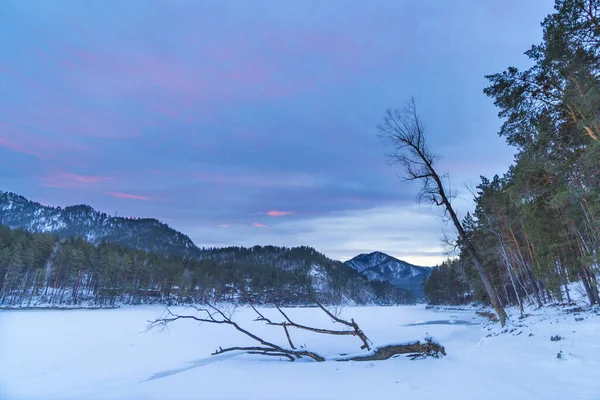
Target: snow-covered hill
{"x":335,"y":281}
{"x":383,"y":267}
{"x":83,"y":221}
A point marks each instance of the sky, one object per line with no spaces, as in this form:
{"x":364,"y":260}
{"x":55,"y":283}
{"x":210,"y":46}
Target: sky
{"x":253,"y":122}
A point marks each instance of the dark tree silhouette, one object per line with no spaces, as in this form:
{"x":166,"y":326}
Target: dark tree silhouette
{"x":405,"y":132}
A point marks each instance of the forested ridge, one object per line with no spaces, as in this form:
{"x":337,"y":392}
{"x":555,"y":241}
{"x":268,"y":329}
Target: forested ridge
{"x":42,"y":268}
{"x":96,"y":227}
{"x":537,"y":226}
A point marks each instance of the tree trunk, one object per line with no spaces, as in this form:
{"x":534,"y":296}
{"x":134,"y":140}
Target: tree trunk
{"x":526,"y":266}
{"x":413,"y":350}
{"x":405,"y":130}
{"x":485,"y":277}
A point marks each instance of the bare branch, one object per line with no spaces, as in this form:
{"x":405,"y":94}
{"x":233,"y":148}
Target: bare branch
{"x":404,"y":130}
{"x":357,"y":331}
{"x":213,"y":315}
{"x":287,"y":334}
{"x":260,"y":316}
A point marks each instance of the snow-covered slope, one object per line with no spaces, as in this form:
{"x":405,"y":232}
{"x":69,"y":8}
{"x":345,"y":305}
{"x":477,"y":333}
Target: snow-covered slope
{"x":383,"y":267}
{"x":83,"y":221}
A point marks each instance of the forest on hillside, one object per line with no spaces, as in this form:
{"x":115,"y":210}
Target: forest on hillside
{"x":537,"y":226}
{"x":96,"y":227}
{"x":41,"y":269}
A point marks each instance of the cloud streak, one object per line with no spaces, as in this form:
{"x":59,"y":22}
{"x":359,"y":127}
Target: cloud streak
{"x":275,"y":213}
{"x":128,"y":196}
{"x":68,"y":180}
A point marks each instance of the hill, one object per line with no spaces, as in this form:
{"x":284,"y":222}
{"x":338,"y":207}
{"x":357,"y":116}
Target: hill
{"x":77,"y":255}
{"x":83,"y":221}
{"x":378,"y":266}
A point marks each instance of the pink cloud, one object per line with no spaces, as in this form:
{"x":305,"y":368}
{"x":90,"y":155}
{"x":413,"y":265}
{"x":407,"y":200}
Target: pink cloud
{"x":187,"y":84}
{"x":244,"y":71}
{"x":23,"y":138}
{"x":258,"y":225}
{"x":34,"y":146}
{"x":224,"y":225}
{"x":275,"y":213}
{"x":59,"y":115}
{"x":128,"y":196}
{"x":68,"y":180}
{"x":9,"y":144}
{"x":87,"y":179}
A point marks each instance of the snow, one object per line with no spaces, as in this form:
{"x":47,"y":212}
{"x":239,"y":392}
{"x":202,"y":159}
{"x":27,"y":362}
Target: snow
{"x":106,"y":354}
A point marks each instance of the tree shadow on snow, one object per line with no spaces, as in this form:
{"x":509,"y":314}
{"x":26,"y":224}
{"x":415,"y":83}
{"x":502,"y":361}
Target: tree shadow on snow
{"x":444,"y":322}
{"x":191,"y":365}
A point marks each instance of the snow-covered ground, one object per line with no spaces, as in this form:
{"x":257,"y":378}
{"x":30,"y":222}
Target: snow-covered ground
{"x":106,"y":354}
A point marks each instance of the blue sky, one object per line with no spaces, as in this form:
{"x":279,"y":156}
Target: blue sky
{"x":253,"y":122}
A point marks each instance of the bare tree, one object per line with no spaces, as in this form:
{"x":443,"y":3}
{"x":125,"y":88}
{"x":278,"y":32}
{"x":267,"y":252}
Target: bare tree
{"x":404,"y":130}
{"x":213,"y":315}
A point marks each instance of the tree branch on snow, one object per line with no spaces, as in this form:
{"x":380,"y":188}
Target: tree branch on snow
{"x":213,"y":315}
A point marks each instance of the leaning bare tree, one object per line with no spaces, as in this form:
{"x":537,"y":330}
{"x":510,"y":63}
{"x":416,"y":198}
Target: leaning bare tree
{"x":213,"y":315}
{"x":404,"y":130}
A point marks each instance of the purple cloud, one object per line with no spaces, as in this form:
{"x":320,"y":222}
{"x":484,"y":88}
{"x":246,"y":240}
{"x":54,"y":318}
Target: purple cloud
{"x":128,"y":196}
{"x":68,"y":180}
{"x":275,"y":213}
{"x":225,"y":108}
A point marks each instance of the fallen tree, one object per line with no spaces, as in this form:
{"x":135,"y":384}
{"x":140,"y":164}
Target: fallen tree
{"x":213,"y":315}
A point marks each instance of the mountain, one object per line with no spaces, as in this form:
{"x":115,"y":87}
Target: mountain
{"x":378,"y":266}
{"x":76,"y":254}
{"x":83,"y":221}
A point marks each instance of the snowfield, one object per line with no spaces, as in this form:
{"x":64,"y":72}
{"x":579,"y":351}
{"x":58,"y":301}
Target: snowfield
{"x":107,"y":354}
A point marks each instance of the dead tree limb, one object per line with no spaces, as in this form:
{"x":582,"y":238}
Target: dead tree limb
{"x":357,"y":331}
{"x":213,"y":315}
{"x":287,"y":334}
{"x":420,"y":349}
{"x":288,"y":322}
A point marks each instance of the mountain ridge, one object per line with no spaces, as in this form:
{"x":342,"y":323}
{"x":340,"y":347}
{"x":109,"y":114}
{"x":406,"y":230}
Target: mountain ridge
{"x":238,"y":268}
{"x":94,"y":226}
{"x":379,"y":266}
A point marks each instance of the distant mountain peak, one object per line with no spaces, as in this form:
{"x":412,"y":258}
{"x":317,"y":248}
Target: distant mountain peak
{"x":367,"y":260}
{"x":378,"y":253}
{"x":383,"y":267}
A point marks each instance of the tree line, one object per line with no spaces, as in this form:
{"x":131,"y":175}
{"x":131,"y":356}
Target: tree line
{"x":40,"y":268}
{"x":536,"y":228}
